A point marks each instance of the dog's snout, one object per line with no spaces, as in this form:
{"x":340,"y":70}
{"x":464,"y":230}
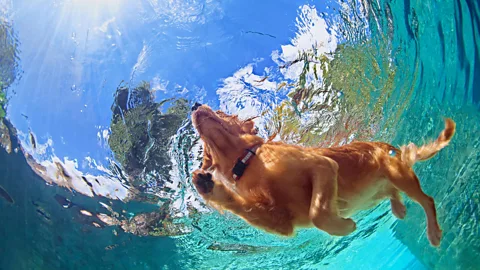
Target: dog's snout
{"x":195,"y":106}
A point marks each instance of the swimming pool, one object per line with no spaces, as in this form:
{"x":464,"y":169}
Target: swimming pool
{"x":96,"y":98}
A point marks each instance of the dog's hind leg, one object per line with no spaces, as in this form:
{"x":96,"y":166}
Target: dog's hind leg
{"x":404,"y":179}
{"x":323,"y":211}
{"x":398,"y":208}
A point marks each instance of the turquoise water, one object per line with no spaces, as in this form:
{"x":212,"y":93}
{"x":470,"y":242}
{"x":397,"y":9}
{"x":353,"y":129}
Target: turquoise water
{"x":398,"y":69}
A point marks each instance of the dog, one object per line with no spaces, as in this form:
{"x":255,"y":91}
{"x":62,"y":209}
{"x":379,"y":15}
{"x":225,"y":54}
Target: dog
{"x":279,"y":187}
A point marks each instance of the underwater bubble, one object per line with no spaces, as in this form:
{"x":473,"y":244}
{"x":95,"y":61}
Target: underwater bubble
{"x":86,"y":213}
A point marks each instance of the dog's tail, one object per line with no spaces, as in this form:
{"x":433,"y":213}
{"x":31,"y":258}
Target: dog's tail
{"x":411,"y":153}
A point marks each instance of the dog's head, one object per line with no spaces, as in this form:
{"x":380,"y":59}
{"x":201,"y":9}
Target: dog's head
{"x":225,"y":136}
{"x":204,"y":117}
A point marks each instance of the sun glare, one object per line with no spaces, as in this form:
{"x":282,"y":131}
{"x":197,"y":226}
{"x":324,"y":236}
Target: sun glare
{"x":98,"y":4}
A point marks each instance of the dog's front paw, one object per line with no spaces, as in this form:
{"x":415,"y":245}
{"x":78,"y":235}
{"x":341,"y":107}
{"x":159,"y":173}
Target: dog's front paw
{"x":203,"y":181}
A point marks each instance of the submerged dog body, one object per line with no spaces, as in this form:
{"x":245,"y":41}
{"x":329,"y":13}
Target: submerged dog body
{"x":286,"y":186}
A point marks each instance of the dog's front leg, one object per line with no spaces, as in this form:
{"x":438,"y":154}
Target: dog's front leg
{"x":210,"y":190}
{"x":323,"y":209}
{"x":255,"y":210}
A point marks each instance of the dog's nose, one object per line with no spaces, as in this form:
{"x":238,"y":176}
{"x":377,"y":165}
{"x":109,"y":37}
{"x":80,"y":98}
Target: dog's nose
{"x":195,"y":106}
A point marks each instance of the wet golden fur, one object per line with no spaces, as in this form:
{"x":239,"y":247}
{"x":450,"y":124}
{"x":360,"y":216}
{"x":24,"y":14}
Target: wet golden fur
{"x":287,"y":186}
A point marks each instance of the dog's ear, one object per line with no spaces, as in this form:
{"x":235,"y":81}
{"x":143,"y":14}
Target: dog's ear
{"x":272,"y":136}
{"x":220,"y":113}
{"x":249,"y":127}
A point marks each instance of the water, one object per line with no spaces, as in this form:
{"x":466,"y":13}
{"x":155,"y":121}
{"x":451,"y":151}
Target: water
{"x":88,"y":88}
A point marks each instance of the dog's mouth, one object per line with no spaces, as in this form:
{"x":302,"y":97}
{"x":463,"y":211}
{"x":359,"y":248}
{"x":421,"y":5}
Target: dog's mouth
{"x":204,"y":114}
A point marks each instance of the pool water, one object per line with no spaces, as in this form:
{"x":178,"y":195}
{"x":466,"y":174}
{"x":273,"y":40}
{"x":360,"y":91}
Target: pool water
{"x":98,"y":146}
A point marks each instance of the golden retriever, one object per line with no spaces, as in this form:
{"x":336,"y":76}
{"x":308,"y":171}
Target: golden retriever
{"x":277,"y":186}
